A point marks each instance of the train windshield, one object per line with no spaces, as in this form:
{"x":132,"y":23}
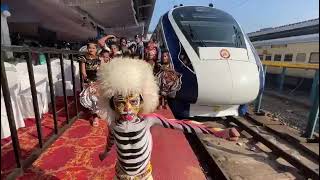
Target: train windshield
{"x":208,"y":27}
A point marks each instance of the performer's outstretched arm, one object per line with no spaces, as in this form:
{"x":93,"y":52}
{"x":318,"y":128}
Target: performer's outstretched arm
{"x":109,"y":144}
{"x":191,"y":127}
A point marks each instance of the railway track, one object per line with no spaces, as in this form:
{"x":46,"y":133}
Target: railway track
{"x":210,"y":166}
{"x":260,"y":153}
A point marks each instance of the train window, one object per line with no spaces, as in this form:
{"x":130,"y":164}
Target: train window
{"x":183,"y":57}
{"x":261,"y":57}
{"x":279,"y":46}
{"x":301,"y":57}
{"x":288,"y":57}
{"x":268,"y":57}
{"x":209,"y":28}
{"x":277,"y":57}
{"x":314,"y":58}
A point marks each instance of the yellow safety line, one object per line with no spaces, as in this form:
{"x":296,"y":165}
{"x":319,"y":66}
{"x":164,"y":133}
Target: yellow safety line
{"x":291,"y":65}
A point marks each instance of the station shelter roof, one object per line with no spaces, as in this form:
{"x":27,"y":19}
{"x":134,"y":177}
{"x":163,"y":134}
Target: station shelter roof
{"x":76,"y":20}
{"x":289,"y":30}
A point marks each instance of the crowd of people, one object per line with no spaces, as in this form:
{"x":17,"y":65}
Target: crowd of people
{"x":110,"y":48}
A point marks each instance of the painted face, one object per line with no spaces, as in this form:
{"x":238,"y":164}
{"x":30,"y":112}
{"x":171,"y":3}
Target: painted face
{"x":92,"y":49}
{"x":127,"y":106}
{"x":152,"y":54}
{"x":105,"y":57}
{"x":165,"y":58}
{"x":114,"y":49}
{"x":137,"y":39}
{"x":123,"y":42}
{"x":151,"y":45}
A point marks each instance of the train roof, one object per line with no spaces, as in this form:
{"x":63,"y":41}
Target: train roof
{"x":289,"y":40}
{"x":296,"y":29}
{"x":287,"y":27}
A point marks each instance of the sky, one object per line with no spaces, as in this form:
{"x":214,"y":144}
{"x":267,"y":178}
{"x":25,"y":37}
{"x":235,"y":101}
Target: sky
{"x":252,"y":15}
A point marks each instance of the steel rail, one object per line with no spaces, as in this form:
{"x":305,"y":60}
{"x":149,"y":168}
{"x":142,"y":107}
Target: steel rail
{"x":307,"y":171}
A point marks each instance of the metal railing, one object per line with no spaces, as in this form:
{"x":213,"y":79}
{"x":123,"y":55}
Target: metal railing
{"x":286,"y":65}
{"x":23,"y":164}
{"x":314,"y":93}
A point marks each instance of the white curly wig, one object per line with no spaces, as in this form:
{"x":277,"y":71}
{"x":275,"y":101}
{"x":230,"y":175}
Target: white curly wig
{"x":125,"y":76}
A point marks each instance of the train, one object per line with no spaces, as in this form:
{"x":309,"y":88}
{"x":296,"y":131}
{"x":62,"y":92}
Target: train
{"x":303,"y":49}
{"x":221,"y":70}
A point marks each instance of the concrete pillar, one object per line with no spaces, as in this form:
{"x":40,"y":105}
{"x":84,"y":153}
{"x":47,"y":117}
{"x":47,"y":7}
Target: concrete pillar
{"x":282,"y":76}
{"x":313,"y":115}
{"x":313,"y":91}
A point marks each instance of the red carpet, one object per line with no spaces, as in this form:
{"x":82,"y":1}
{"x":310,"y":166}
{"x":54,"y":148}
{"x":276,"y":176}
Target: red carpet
{"x":28,"y":137}
{"x":75,"y":155}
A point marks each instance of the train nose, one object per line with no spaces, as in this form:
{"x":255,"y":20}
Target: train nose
{"x":245,"y":81}
{"x":227,"y":83}
{"x":214,"y":82}
{"x":228,"y":80}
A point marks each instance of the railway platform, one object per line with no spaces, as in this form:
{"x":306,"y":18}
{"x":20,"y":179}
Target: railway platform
{"x":265,"y":150}
{"x":178,"y":156}
{"x":74,"y":155}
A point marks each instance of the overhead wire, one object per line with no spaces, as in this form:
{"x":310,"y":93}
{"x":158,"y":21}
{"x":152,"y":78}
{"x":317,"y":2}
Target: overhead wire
{"x":297,"y":87}
{"x":240,"y":4}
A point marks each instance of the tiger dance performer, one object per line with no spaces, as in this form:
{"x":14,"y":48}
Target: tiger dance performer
{"x":168,"y":79}
{"x":97,"y":53}
{"x":90,"y":64}
{"x":129,"y":93}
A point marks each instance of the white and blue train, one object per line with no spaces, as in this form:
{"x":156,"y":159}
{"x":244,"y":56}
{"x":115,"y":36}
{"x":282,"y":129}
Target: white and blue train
{"x":220,"y":68}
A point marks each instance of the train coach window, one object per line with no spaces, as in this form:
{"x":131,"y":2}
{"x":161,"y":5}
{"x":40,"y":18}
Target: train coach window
{"x":261,"y":57}
{"x":268,"y":57}
{"x":314,"y":58}
{"x":183,"y":57}
{"x":279,"y":46}
{"x":301,"y":57}
{"x":288,"y":57}
{"x":277,"y":57}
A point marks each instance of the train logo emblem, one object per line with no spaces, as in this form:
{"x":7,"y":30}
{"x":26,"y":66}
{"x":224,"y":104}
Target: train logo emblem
{"x":224,"y":53}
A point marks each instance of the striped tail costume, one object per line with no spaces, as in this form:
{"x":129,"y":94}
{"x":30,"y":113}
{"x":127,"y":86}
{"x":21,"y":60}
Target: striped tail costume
{"x":134,"y":143}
